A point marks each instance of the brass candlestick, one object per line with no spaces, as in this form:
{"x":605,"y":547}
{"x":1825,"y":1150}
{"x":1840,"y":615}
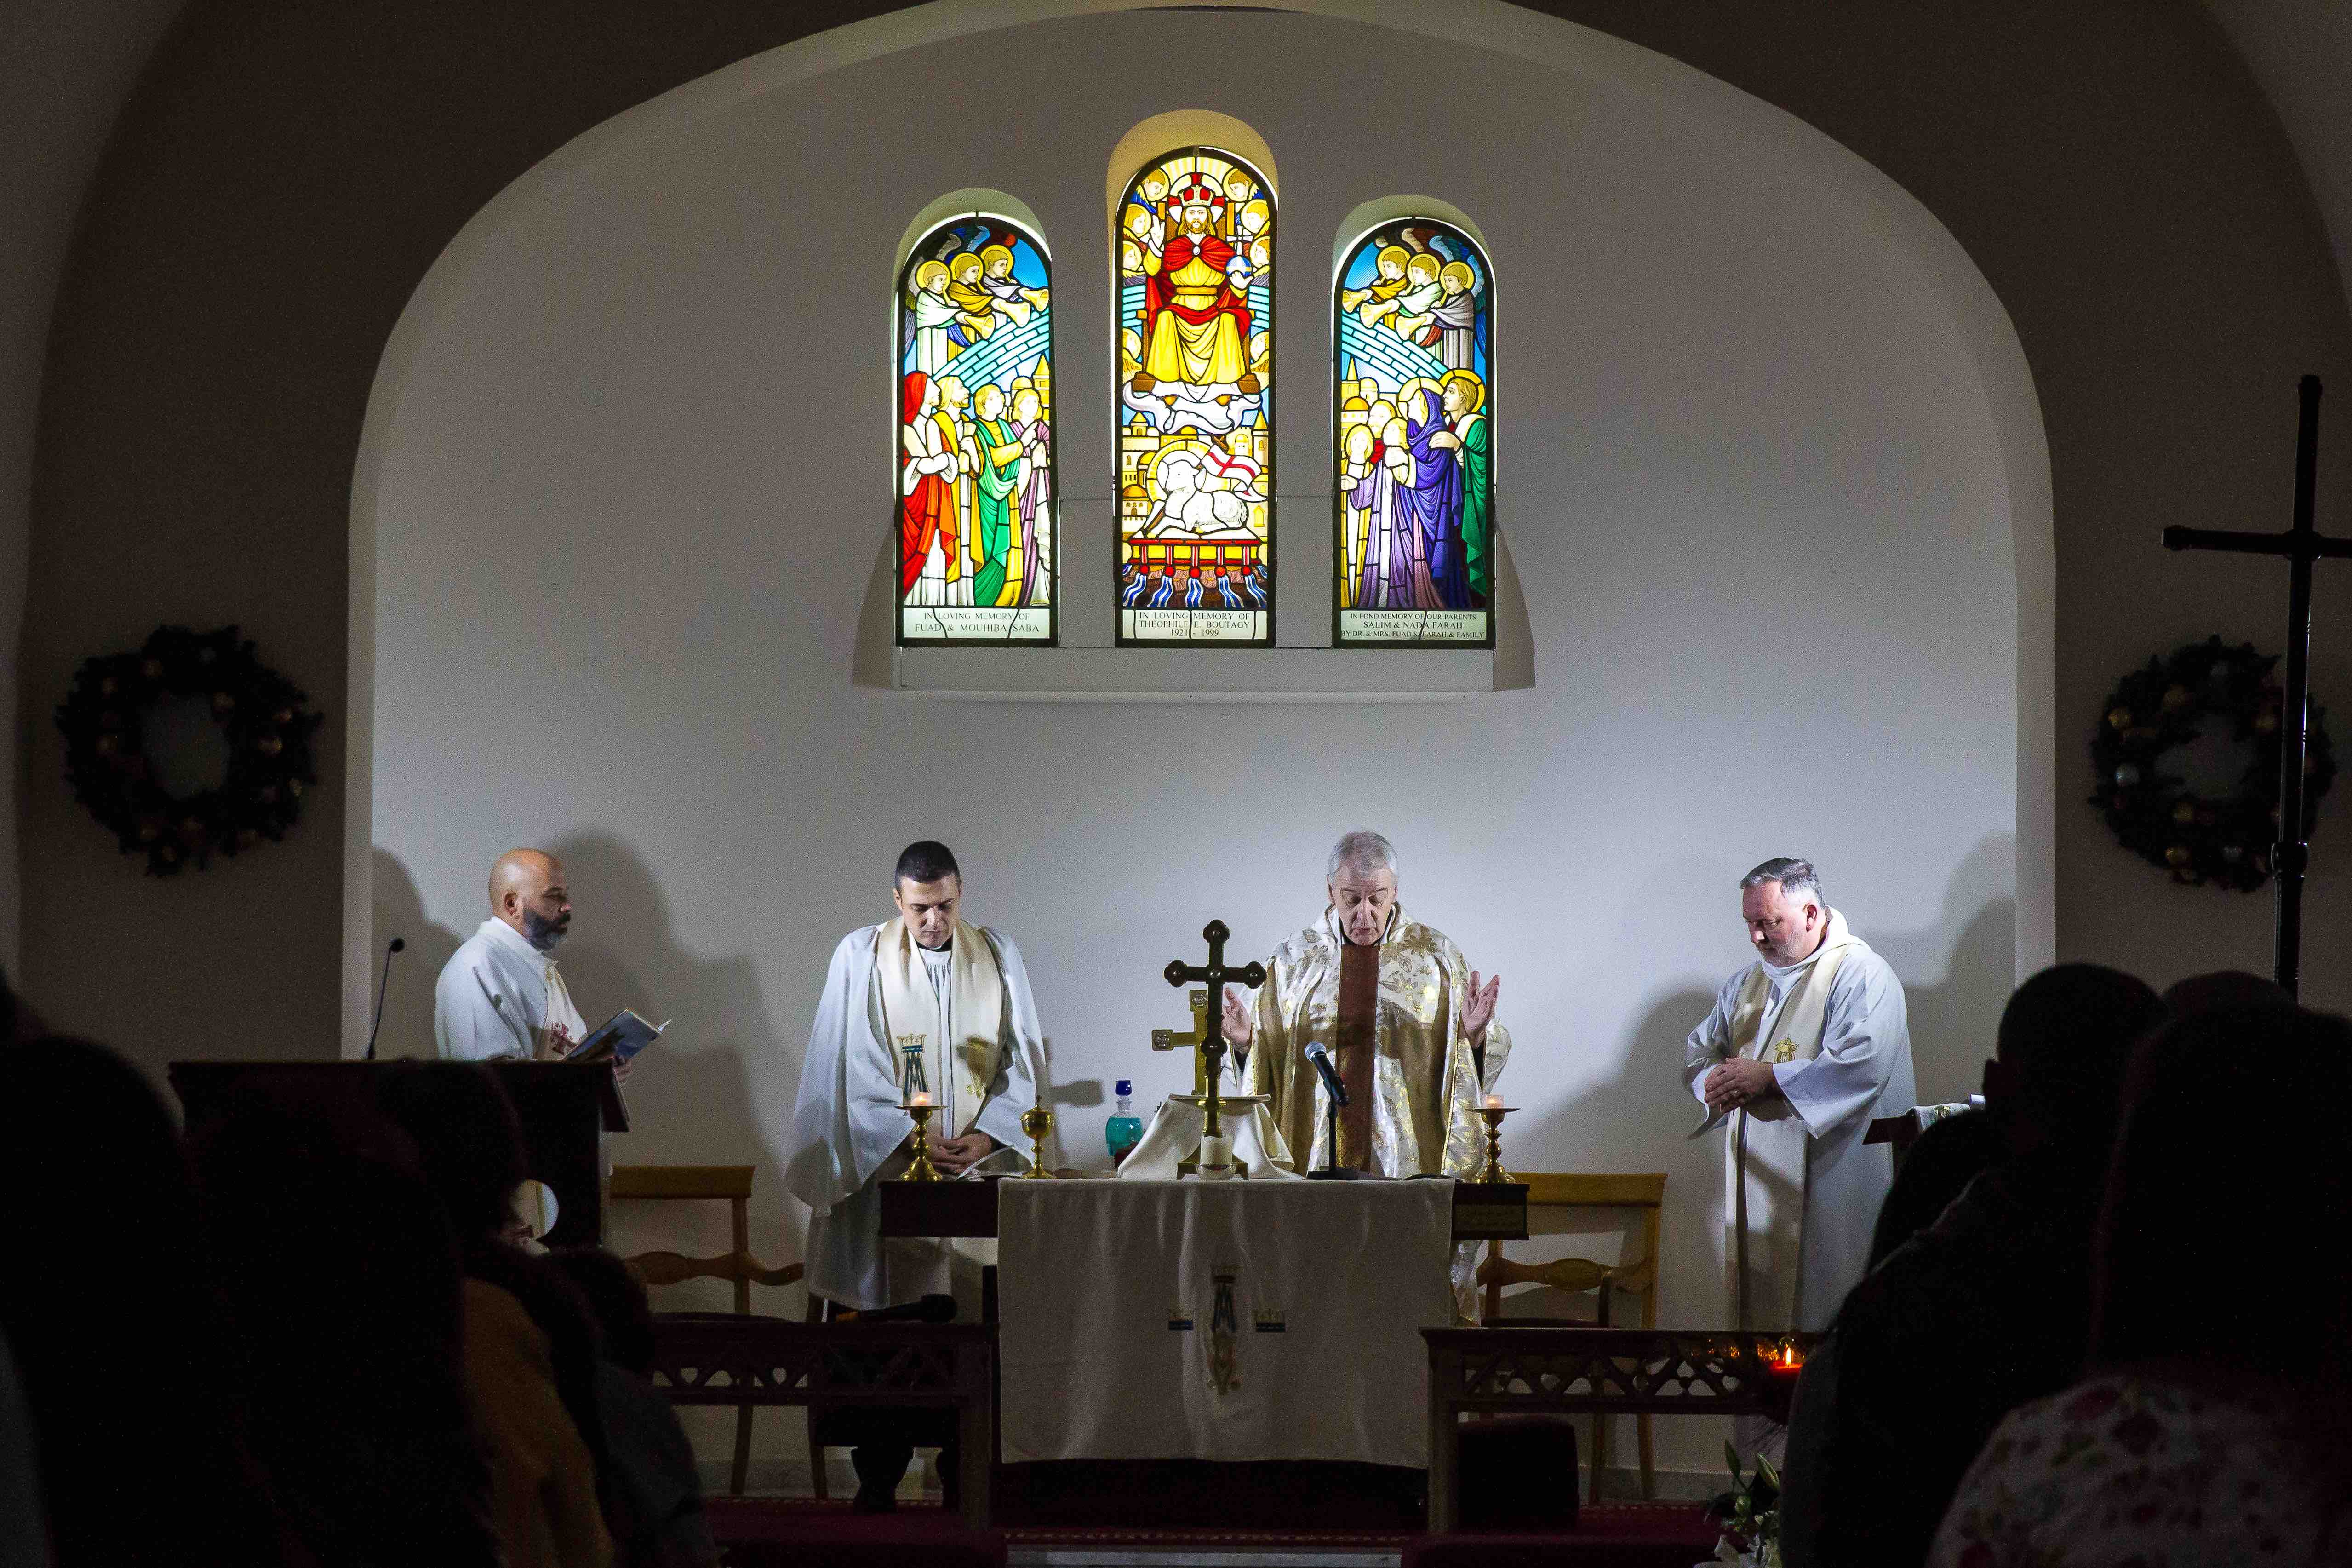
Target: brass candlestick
{"x":1038,"y":1121}
{"x":1493,"y":1169}
{"x":922,"y":1170}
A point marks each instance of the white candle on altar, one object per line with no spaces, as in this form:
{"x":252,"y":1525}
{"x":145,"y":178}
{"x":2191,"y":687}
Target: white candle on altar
{"x":1216,"y":1154}
{"x":921,"y":1097}
{"x":1494,"y":1102}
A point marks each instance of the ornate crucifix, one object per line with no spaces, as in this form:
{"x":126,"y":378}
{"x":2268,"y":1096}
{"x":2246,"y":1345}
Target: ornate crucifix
{"x":1213,"y":974}
{"x":2301,"y":545}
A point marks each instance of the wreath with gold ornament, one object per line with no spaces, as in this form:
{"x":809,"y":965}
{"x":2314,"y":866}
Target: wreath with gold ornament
{"x":251,"y":720}
{"x":2199,"y":693}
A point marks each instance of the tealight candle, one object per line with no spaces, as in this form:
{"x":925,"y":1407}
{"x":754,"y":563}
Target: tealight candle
{"x":1494,"y":1102}
{"x":921,"y":1097}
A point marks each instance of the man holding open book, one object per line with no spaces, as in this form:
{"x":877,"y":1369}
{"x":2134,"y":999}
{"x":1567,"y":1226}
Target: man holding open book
{"x":500,"y":996}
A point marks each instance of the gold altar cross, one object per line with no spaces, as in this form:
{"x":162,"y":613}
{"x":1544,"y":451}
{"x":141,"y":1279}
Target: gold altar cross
{"x":1213,"y":974}
{"x":1170,"y":1040}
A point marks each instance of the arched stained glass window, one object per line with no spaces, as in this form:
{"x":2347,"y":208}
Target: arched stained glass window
{"x":975,"y":429}
{"x":1412,"y":419}
{"x":1194,"y":238}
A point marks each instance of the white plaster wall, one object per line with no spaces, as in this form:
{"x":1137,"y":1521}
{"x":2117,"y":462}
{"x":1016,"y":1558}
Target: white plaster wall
{"x":623,"y":494}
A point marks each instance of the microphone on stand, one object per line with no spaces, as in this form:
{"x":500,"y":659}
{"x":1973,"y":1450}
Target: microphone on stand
{"x":1335,"y":1094}
{"x":1331,"y":1084}
{"x":398,"y":944}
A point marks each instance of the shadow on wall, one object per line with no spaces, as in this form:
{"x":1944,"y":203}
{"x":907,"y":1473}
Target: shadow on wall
{"x":690,"y":1098}
{"x":399,"y":912}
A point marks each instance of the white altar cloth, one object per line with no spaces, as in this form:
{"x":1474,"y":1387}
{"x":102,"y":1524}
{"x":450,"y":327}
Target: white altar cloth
{"x":1153,"y":1320}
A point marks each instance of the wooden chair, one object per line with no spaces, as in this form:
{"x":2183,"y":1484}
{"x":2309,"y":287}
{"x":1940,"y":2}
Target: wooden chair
{"x":731,"y":1184}
{"x":1551,"y":1200}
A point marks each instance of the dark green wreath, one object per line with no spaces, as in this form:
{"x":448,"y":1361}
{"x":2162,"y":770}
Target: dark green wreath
{"x":261,"y":715}
{"x":2198,"y":839}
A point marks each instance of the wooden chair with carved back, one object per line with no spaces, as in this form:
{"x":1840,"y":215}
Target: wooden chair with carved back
{"x":1554,"y":1201}
{"x":733,"y":1185}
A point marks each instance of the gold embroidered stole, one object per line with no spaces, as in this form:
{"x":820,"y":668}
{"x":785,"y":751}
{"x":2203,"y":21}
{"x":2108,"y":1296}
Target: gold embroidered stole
{"x":1765,"y":1209}
{"x":966,"y":1063}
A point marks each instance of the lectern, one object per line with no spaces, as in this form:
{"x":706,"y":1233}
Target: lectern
{"x":566,"y":1108}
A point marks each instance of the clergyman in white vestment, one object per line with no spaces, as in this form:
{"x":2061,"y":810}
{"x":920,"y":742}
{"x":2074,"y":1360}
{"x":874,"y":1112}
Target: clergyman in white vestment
{"x":1804,"y":1049}
{"x":924,"y":993}
{"x":500,"y":996}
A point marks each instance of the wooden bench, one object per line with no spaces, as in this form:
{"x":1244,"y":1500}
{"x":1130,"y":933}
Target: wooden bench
{"x":722,"y":1359}
{"x":1601,"y":1372}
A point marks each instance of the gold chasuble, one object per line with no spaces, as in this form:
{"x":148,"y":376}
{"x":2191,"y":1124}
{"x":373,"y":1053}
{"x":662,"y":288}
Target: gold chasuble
{"x":1391,"y":1016}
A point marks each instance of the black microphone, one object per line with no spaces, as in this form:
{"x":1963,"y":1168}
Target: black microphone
{"x":1322,"y":1060}
{"x":398,"y":943}
{"x":1335,"y":1096}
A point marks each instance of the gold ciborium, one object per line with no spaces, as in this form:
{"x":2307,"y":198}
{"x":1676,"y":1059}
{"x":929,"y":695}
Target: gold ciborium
{"x":1038,"y":1121}
{"x":922,"y":1170}
{"x":1494,"y":1111}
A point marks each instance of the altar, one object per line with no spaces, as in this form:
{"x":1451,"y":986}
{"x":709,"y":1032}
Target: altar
{"x":1234,"y":1320}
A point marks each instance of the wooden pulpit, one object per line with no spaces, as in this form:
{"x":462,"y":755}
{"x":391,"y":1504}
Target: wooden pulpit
{"x":565,"y":1108}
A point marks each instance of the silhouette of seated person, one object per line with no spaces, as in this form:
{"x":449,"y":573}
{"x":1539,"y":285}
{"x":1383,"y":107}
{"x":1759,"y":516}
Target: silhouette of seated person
{"x":1936,"y":1170}
{"x":2214,"y":1425}
{"x":530,"y":1345}
{"x":656,"y":1493}
{"x":111,"y":1317}
{"x":343,"y":1297}
{"x":1987,"y":1308}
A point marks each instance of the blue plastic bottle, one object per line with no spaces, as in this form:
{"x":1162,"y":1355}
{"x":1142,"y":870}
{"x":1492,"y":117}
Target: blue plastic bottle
{"x":1123,"y":1132}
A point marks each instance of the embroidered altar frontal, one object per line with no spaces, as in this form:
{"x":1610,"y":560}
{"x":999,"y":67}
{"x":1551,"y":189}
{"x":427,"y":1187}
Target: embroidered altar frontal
{"x":1145,"y":1319}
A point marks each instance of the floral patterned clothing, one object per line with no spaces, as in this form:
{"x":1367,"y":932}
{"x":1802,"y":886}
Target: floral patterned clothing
{"x":2134,"y":1471}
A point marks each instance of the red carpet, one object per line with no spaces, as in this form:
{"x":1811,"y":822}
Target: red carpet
{"x":762,"y":1531}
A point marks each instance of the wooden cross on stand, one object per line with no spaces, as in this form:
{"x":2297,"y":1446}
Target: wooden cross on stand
{"x":2301,"y":545}
{"x":1213,"y":974}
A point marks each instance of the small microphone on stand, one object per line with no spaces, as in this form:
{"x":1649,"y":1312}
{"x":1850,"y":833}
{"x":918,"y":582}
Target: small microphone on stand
{"x":1334,"y":1096}
{"x":398,"y":944}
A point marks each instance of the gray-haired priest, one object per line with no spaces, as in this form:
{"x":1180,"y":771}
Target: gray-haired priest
{"x":924,"y":1001}
{"x":1408,"y":1023}
{"x":1804,"y":1047}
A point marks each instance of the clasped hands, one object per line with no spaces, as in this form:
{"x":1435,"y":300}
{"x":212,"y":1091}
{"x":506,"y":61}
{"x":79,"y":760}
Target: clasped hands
{"x":954,"y":1156}
{"x":1731,"y":1084}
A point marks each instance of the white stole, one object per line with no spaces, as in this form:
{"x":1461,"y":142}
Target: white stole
{"x":1764,"y":1211}
{"x":967,"y":1061}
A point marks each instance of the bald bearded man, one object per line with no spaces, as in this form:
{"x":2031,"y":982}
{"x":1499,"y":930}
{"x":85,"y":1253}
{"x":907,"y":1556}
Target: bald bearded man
{"x":500,"y":996}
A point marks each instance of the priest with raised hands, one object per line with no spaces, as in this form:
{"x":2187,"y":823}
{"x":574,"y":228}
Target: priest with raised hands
{"x":927,"y":1003}
{"x":1409,"y":1025}
{"x":1802,"y":1050}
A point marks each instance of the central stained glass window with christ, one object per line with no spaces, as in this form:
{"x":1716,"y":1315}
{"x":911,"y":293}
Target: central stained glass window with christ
{"x":1194,"y":236}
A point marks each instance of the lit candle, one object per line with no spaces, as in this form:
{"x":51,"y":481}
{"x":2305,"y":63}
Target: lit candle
{"x":1494,"y":1102}
{"x":921,"y":1097}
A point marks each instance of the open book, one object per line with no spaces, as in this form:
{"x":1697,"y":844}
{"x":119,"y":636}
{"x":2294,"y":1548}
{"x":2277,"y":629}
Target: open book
{"x":623,"y":1036}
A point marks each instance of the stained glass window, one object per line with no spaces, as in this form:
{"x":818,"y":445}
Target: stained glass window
{"x":1414,"y":469}
{"x":975,"y":514}
{"x":1194,"y":238}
